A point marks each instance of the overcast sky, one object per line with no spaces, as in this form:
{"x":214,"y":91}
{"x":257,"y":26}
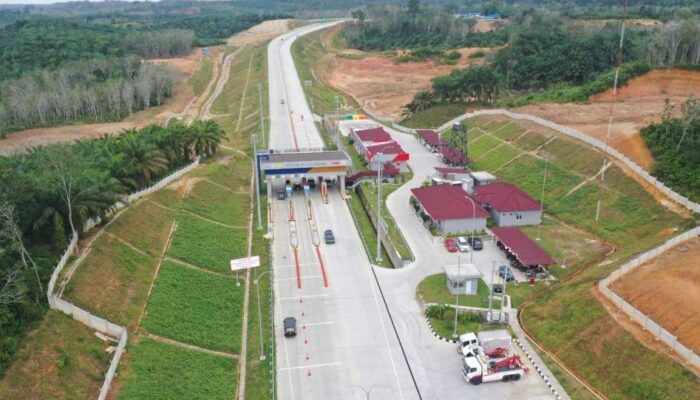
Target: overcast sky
{"x":44,"y":1}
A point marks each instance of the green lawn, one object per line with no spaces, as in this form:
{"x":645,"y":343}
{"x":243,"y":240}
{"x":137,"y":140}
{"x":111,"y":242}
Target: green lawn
{"x":367,"y":230}
{"x":231,"y":170}
{"x":433,"y":289}
{"x":369,"y":190}
{"x":483,"y":144}
{"x":496,"y":158}
{"x":466,"y":322}
{"x":195,"y":307}
{"x":218,"y":204}
{"x":207,"y":245}
{"x":508,"y":132}
{"x":161,"y":371}
{"x":531,"y":141}
{"x":434,"y":116}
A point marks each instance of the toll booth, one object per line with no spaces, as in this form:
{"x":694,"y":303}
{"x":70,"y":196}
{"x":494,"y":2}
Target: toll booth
{"x":303,"y":171}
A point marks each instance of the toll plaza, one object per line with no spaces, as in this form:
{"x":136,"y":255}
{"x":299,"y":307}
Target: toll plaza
{"x":297,"y":171}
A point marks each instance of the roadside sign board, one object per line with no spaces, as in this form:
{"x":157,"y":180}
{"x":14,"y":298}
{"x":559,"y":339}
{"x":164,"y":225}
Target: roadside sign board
{"x":245,"y":263}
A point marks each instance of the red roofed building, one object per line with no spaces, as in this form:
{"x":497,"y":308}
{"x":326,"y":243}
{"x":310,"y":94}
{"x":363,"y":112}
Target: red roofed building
{"x":364,"y":137}
{"x":453,"y":156}
{"x":508,"y":204}
{"x":452,"y":173}
{"x":386,"y":153}
{"x":448,"y":209}
{"x":430,"y":139}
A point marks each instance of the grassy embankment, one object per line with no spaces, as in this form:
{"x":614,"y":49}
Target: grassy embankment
{"x":114,"y":280}
{"x":566,"y":318}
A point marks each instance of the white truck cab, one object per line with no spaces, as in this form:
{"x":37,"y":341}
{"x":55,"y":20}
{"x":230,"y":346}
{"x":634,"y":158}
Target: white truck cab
{"x":476,"y":370}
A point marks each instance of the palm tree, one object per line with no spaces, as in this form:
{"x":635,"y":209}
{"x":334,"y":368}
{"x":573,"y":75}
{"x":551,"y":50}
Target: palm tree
{"x":421,"y":101}
{"x":203,"y":137}
{"x":143,"y":160}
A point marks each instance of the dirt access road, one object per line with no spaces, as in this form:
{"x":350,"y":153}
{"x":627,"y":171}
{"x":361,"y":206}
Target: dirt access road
{"x":640,"y":103}
{"x":667,"y":289}
{"x":183,"y":103}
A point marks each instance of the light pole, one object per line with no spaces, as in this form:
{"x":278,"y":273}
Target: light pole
{"x":379,"y":206}
{"x":254,"y":138}
{"x":459,"y":267}
{"x":262,"y":126}
{"x":337,"y":120}
{"x":544,"y":181}
{"x":257,"y":289}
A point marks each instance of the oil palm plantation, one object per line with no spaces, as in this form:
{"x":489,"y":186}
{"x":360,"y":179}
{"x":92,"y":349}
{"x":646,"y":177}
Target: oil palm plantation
{"x":202,"y":138}
{"x":142,"y":160}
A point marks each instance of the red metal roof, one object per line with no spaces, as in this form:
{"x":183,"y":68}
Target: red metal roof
{"x":453,"y":155}
{"x":385,"y":148}
{"x":503,"y":196}
{"x":375,"y":135}
{"x":443,"y":202}
{"x":522,"y":247}
{"x":451,"y":170}
{"x":429,"y":136}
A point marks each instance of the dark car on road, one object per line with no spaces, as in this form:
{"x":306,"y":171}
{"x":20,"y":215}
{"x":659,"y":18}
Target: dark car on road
{"x":506,"y":273}
{"x":328,"y":236}
{"x":290,"y":327}
{"x":475,"y":243}
{"x":498,"y":288}
{"x":281,"y":195}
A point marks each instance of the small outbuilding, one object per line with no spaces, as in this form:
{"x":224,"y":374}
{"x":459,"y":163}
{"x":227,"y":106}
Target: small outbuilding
{"x":462,"y":279}
{"x":482,"y":177}
{"x":508,"y":204}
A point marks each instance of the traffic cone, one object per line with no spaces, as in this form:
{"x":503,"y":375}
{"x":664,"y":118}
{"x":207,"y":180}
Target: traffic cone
{"x":308,"y":373}
{"x":306,"y":341}
{"x":307,"y":356}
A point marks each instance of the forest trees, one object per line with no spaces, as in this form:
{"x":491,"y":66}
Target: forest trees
{"x":50,"y":192}
{"x":95,"y":90}
{"x":675,"y":144}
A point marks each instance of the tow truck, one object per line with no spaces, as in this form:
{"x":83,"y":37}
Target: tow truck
{"x":478,"y":369}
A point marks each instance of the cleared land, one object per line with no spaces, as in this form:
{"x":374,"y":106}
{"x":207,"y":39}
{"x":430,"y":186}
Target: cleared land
{"x":667,"y":289}
{"x":60,"y":359}
{"x":640,"y":102}
{"x":386,"y":93}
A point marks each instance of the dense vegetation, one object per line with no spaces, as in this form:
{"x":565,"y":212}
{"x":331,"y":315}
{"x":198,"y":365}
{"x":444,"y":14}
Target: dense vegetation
{"x":547,"y":60}
{"x":675,"y":144}
{"x":92,"y":90}
{"x":390,"y":27}
{"x":50,"y":192}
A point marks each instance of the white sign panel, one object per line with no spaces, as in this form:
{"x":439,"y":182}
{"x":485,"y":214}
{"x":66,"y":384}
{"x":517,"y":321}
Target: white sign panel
{"x":245,"y":263}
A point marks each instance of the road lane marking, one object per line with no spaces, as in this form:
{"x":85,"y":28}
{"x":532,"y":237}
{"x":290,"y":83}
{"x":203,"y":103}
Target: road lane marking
{"x":294,"y":265}
{"x":303,"y":277}
{"x":309,"y":366}
{"x":319,"y":323}
{"x":296,"y":298}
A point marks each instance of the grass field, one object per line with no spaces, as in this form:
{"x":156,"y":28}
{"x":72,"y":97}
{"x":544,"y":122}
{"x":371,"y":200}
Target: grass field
{"x":368,"y":232}
{"x":433,"y":289}
{"x":205,"y":244}
{"x":202,"y":76}
{"x":370,"y":192}
{"x":445,"y":325}
{"x":144,"y":233}
{"x":434,"y":116}
{"x":113,"y":281}
{"x":162,"y":371}
{"x":59,"y":359}
{"x":195,"y":307}
{"x":216,"y":203}
{"x":566,"y":318}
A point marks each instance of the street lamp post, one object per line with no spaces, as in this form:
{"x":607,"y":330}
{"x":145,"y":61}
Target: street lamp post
{"x":379,"y":205}
{"x":254,"y":138}
{"x":257,"y":289}
{"x":337,"y":120}
{"x":262,"y":126}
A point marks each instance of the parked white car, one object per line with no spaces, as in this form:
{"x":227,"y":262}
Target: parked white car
{"x":462,"y":244}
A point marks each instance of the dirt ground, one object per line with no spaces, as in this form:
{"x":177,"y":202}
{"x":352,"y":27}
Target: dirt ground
{"x":640,"y":102}
{"x":259,"y":33}
{"x":485,"y":25}
{"x":385,"y":93}
{"x":668,"y":290}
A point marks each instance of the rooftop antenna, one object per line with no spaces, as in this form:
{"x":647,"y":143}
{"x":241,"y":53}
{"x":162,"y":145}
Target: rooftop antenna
{"x":613,"y":100}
